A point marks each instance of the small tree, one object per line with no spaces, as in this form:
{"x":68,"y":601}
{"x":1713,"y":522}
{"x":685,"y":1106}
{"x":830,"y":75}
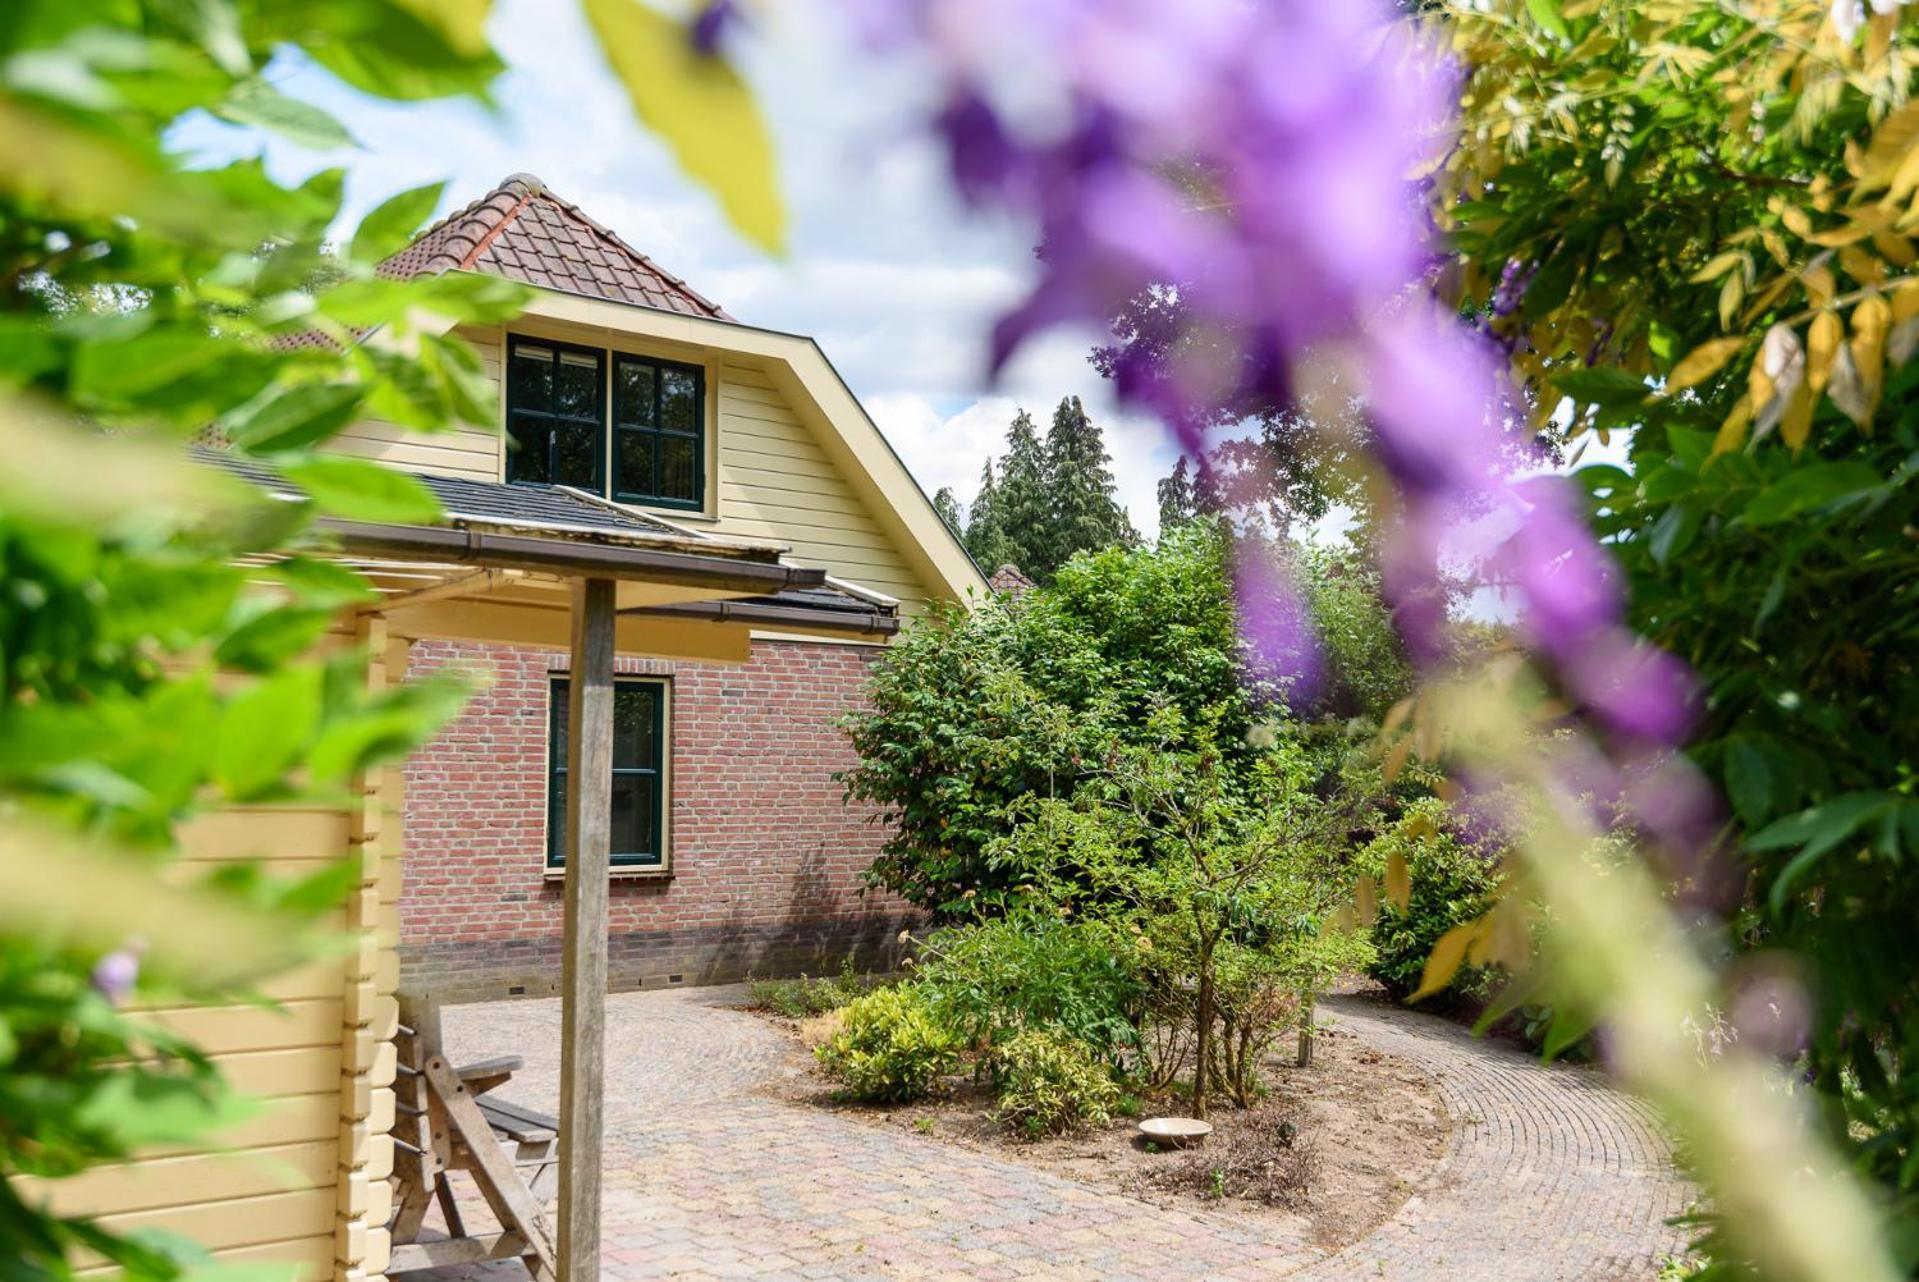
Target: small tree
{"x":1224,"y":872}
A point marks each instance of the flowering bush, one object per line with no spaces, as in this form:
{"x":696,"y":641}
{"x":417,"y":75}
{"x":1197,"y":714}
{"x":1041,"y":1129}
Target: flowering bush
{"x":889,"y":1048}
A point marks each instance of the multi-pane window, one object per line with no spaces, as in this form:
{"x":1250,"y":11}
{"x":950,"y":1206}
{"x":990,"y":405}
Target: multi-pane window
{"x":555,"y":414}
{"x":639,"y":775}
{"x":576,"y":416}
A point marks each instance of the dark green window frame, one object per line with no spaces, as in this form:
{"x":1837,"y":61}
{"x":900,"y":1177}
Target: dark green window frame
{"x":659,"y":432}
{"x":548,"y":442}
{"x":643,"y":774}
{"x":645,"y":425}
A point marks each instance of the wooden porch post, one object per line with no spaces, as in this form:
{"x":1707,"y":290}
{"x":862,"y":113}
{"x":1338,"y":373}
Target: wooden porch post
{"x":589,"y":810}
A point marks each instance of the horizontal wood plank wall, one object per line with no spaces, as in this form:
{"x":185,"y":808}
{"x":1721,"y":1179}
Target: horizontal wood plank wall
{"x":472,"y":454}
{"x":777,"y":482}
{"x":265,"y":1189}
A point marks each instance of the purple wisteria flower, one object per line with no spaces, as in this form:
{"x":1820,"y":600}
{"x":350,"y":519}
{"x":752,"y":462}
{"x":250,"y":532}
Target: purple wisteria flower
{"x":115,"y":974}
{"x":711,"y":23}
{"x":1264,"y":160}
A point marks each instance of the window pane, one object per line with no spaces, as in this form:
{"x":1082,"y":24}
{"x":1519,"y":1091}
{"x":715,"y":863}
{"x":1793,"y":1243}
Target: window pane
{"x":559,"y":722}
{"x":576,"y":386}
{"x":577,"y":457}
{"x":529,"y":378}
{"x":679,"y":399}
{"x":633,"y":393}
{"x":633,"y":727}
{"x":633,"y":815}
{"x":528,"y":441}
{"x":677,"y":480}
{"x":556,"y":821}
{"x":635,"y":463}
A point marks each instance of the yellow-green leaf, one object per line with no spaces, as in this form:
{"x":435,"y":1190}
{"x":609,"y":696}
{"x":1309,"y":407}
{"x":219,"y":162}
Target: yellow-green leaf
{"x":1399,"y":882}
{"x":1716,"y":266}
{"x":1702,"y":362}
{"x":1732,"y":432}
{"x":1444,"y":961}
{"x":1795,"y":425}
{"x":1822,"y":343}
{"x":701,"y":109}
{"x":1365,"y":901}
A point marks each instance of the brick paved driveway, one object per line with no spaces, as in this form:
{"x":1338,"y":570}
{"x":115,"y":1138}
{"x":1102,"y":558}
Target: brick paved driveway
{"x":1549,"y":1175}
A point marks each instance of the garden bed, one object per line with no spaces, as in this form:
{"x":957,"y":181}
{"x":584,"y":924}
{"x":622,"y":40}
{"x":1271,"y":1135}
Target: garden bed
{"x":1363,"y":1130}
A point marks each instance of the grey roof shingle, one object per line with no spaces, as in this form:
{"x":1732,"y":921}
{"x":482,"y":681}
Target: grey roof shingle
{"x":489,"y":503}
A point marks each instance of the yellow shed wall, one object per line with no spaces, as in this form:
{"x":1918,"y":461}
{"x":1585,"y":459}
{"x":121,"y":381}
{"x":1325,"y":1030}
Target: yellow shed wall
{"x":304,"y":1180}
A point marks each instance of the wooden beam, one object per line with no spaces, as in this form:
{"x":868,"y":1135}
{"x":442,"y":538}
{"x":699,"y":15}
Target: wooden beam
{"x":589,"y":819}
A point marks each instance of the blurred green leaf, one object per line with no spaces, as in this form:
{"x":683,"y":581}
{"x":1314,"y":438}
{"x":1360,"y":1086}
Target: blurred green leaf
{"x":256,"y":102}
{"x":264,"y":729}
{"x":1805,"y":489}
{"x":392,"y":223}
{"x":294,"y":417}
{"x":362,"y":490}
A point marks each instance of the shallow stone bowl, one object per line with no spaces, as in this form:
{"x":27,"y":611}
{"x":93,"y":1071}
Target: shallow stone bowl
{"x":1176,"y":1132}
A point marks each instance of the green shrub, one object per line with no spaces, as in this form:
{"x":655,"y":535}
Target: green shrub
{"x":1452,"y":882}
{"x":812,"y":995}
{"x":1050,"y":1084}
{"x":1033,"y":970}
{"x":889,"y":1048}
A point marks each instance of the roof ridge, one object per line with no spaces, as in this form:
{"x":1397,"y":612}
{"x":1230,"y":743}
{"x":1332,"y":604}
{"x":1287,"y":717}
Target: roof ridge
{"x":494,"y":235}
{"x":607,"y":233}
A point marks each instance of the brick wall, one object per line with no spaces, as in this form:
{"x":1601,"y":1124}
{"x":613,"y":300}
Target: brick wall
{"x":766,"y":856}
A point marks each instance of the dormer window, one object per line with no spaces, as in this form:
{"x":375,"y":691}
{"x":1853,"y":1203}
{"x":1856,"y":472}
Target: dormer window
{"x":630,"y":428}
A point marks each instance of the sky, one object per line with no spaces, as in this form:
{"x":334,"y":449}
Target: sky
{"x":896,"y":281}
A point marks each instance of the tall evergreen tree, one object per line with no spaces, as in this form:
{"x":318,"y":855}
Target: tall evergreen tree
{"x":1049,"y":498}
{"x":949,"y":509}
{"x":1178,"y":497}
{"x":1086,"y":514}
{"x":985,"y":541}
{"x":1025,"y":511}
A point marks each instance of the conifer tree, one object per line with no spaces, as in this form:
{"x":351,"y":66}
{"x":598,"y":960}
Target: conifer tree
{"x":1085,"y":512}
{"x":949,"y":511}
{"x":1178,"y":497}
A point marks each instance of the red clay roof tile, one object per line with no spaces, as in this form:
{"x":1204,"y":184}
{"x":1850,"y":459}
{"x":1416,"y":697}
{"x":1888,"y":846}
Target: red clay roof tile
{"x":524,"y":232}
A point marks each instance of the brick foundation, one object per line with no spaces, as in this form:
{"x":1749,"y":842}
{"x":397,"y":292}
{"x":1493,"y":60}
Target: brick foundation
{"x":766,"y":856}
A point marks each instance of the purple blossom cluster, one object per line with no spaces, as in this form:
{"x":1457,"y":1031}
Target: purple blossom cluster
{"x":1262,"y":159}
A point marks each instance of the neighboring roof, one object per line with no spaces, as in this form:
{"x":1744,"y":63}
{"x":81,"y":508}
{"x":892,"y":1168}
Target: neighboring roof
{"x":523,"y":232}
{"x":1010,"y":580}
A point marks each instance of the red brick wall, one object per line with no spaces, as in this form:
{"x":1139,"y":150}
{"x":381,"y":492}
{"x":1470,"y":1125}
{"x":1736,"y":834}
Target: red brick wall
{"x":766,"y":856}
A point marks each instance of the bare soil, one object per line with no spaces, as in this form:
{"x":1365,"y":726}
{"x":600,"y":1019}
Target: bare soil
{"x":1372,"y":1122}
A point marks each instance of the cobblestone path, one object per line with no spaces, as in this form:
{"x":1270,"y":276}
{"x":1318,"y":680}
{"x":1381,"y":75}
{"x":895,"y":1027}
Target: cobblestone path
{"x":1549,"y":1175}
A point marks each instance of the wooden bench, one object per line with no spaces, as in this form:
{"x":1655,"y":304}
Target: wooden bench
{"x":446,"y":1120}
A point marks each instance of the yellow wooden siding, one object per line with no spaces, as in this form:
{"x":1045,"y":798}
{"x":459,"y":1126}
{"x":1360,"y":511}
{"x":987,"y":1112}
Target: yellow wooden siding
{"x":774,"y":478}
{"x":776,"y":481}
{"x":306,"y":1179}
{"x":472,"y":454}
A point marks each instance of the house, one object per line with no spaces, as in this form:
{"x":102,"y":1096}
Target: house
{"x":697,"y":520}
{"x":734,"y":852}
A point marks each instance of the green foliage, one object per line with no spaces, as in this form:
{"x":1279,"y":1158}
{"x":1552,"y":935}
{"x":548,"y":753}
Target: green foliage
{"x":1050,"y":500}
{"x":1050,"y":1083}
{"x":975,"y":711}
{"x":890,"y":1049}
{"x":812,"y":995}
{"x":1731,"y":179}
{"x":143,"y":300}
{"x":1031,"y":969}
{"x":1452,"y":882}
